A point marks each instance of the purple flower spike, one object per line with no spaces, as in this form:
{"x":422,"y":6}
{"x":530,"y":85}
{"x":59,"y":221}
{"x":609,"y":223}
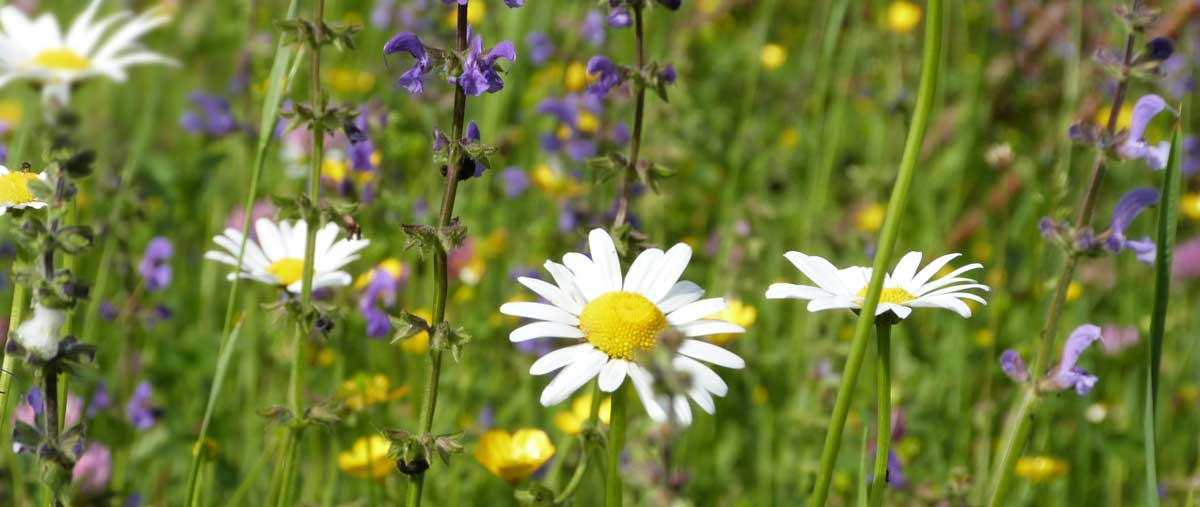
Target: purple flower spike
{"x":409,"y":43}
{"x":1135,"y":146}
{"x":515,"y":181}
{"x":472,"y":133}
{"x":609,"y":75}
{"x":1128,"y":208}
{"x":513,"y":4}
{"x":1013,"y":365}
{"x":1067,"y":376}
{"x":620,"y":18}
{"x":479,"y":70}
{"x":210,"y":115}
{"x":592,"y":30}
{"x":139,"y":410}
{"x":541,"y":48}
{"x":155,"y":267}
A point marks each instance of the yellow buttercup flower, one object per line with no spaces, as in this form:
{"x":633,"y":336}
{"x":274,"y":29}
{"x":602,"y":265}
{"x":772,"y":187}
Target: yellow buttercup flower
{"x":367,"y":458}
{"x":418,"y":344}
{"x":772,"y":56}
{"x":474,"y":15}
{"x":1040,"y":468}
{"x":1190,"y":205}
{"x":736,"y":312}
{"x":350,"y":81}
{"x":789,"y":138}
{"x":576,"y":77}
{"x":514,"y":456}
{"x":363,"y":391}
{"x":903,"y":16}
{"x":571,"y":421}
{"x":1074,"y":292}
{"x":870,"y":217}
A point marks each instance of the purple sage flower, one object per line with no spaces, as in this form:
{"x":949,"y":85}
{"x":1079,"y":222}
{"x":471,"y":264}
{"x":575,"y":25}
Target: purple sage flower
{"x":514,"y":180}
{"x":1013,"y":365}
{"x":609,"y":75}
{"x":620,"y":18}
{"x":381,"y":288}
{"x":541,"y":48}
{"x":592,"y":30}
{"x":409,"y":43}
{"x":1135,"y":145}
{"x":210,"y":115}
{"x":668,"y":74}
{"x":1066,"y":375}
{"x":1128,"y":208}
{"x":479,"y":74}
{"x":155,"y":267}
{"x":140,"y":412}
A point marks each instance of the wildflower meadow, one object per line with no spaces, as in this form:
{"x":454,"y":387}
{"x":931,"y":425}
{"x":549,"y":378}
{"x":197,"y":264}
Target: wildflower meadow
{"x":661,"y":253}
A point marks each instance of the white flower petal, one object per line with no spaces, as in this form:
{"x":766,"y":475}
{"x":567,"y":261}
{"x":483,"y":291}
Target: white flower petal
{"x":702,"y":376}
{"x":604,"y":256}
{"x":551,"y":293}
{"x":556,"y":359}
{"x":819,"y":270}
{"x":906,"y":269}
{"x":566,"y":282}
{"x":643,"y":384}
{"x":681,"y":294}
{"x":708,"y":352}
{"x":613,"y":375}
{"x":640,"y":271}
{"x":793,"y":291}
{"x":586,"y":275}
{"x":667,"y":272}
{"x":682,"y":411}
{"x":571,"y":378}
{"x":703,"y":399}
{"x":695,"y":311}
{"x":270,"y":240}
{"x":708,"y":327}
{"x":539,"y":311}
{"x":929,"y":271}
{"x":544,"y":330}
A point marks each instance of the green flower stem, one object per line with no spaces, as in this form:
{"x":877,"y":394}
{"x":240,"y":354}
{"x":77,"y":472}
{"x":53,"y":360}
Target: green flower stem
{"x":300,"y":338}
{"x":635,"y":142}
{"x":616,"y":443}
{"x":441,"y":278}
{"x":19,"y":301}
{"x":1022,"y":414}
{"x":585,"y":448}
{"x":930,"y":69}
{"x":883,"y":417}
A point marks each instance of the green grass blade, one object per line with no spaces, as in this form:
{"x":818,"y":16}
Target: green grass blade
{"x":214,"y":393}
{"x":1168,"y":218}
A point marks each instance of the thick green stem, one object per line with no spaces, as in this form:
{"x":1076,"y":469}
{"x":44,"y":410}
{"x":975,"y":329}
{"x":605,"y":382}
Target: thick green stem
{"x":16,"y":314}
{"x":883,"y":416}
{"x":635,"y":143}
{"x":930,"y":69}
{"x":441,"y":278}
{"x":616,"y":444}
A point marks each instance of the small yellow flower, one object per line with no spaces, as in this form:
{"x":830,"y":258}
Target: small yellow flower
{"x":571,"y":421}
{"x":1074,"y":292}
{"x":982,"y":251}
{"x":10,"y":114}
{"x":736,"y":312}
{"x":367,"y":458}
{"x":870,"y":217}
{"x":1190,"y":204}
{"x":321,"y":356}
{"x":392,"y":265}
{"x":350,"y":81}
{"x":553,"y":182}
{"x":576,"y":77}
{"x":760,"y":396}
{"x":903,"y":16}
{"x":474,"y":15}
{"x":772,"y":56}
{"x":514,"y":456}
{"x":1124,"y":118}
{"x":789,"y":138}
{"x":418,"y":344}
{"x":587,"y":122}
{"x":1040,"y":468}
{"x":362,"y":391}
{"x":985,"y":338}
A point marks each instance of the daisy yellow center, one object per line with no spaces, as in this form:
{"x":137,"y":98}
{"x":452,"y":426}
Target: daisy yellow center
{"x":893,"y":295}
{"x":14,"y":188}
{"x":621,"y":323}
{"x":61,"y":59}
{"x":288,"y":270}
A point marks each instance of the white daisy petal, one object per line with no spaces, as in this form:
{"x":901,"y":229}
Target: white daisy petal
{"x":901,"y":311}
{"x":640,"y":270}
{"x":695,"y":311}
{"x":946,"y":280}
{"x":714,"y":354}
{"x":930,"y":270}
{"x":681,"y":294}
{"x":566,"y":282}
{"x":792,"y":291}
{"x":946,"y":302}
{"x":556,"y":359}
{"x":906,"y":269}
{"x":574,"y":376}
{"x":708,"y":327}
{"x":613,"y":375}
{"x":819,"y":270}
{"x":553,"y":294}
{"x":270,"y":240}
{"x":539,"y":311}
{"x":702,"y":376}
{"x":683,"y":412}
{"x":544,"y":330}
{"x":834,"y":302}
{"x":587,"y":276}
{"x":667,"y":272}
{"x":643,"y":384}
{"x":604,"y":256}
{"x":703,"y":399}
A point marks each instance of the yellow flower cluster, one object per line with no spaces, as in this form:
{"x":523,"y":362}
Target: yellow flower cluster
{"x":363,"y":391}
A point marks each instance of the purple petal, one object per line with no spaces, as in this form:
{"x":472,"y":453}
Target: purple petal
{"x":1127,"y":208}
{"x":1067,"y":376}
{"x":1013,"y":365}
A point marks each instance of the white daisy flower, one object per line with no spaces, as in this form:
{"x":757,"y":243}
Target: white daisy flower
{"x":38,"y":50}
{"x":277,"y":257}
{"x":904,"y":288}
{"x":14,"y":190}
{"x":616,"y":317}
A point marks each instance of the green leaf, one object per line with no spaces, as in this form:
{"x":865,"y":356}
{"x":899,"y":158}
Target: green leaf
{"x":1168,"y":218}
{"x":407,"y":325}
